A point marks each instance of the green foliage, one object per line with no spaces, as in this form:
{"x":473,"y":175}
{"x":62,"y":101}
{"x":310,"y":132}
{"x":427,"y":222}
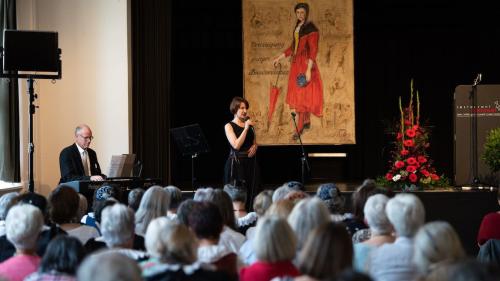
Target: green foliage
{"x":491,"y":155}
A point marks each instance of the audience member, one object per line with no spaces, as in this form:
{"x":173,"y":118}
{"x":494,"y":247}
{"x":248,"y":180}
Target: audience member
{"x":101,"y":194}
{"x":307,"y":215}
{"x":231,"y":238}
{"x":261,"y":204}
{"x":355,"y":220}
{"x":394,"y":261}
{"x":154,"y":204}
{"x":184,"y":210}
{"x":23,"y":225}
{"x":206,"y":221}
{"x":134,"y":198}
{"x":60,"y":261}
{"x":172,"y":247}
{"x":489,"y":228}
{"x":175,"y":200}
{"x":473,"y":270}
{"x":380,"y":229}
{"x":49,"y":230}
{"x":334,"y":200}
{"x":109,"y":266}
{"x":238,"y":197}
{"x":63,"y":202}
{"x":281,"y":192}
{"x":327,"y":252}
{"x":437,"y":248}
{"x":6,"y":202}
{"x":275,"y":246}
{"x":83,"y":205}
{"x":281,"y":208}
{"x":118,"y":229}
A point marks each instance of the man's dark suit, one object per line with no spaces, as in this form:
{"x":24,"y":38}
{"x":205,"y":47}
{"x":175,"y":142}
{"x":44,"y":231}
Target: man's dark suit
{"x":70,"y":163}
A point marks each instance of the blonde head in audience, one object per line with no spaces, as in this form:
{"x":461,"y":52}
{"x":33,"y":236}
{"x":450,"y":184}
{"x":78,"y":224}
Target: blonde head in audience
{"x":406,"y":214}
{"x":281,"y":209}
{"x":307,"y":215}
{"x":262,"y":202}
{"x":274,"y":240}
{"x":23,"y":224}
{"x":171,"y":242}
{"x":117,"y":226}
{"x":327,"y":251}
{"x":436,"y":242}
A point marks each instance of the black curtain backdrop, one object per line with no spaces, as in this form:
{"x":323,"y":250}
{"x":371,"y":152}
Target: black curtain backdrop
{"x":9,"y":108}
{"x":151,"y":64}
{"x":440,"y":44}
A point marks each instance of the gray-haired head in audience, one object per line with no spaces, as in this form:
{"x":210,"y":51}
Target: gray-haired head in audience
{"x":117,"y":226}
{"x":307,"y":215}
{"x":6,"y":202}
{"x":109,"y":266}
{"x":333,"y":198}
{"x":23,"y":224}
{"x":406,"y":214}
{"x":375,"y":215}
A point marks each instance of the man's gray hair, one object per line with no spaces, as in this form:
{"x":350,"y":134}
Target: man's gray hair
{"x":6,"y":202}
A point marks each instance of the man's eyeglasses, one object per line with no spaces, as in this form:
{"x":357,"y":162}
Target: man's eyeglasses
{"x":86,"y":138}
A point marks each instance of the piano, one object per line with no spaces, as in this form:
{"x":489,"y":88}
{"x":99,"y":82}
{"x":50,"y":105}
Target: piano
{"x":122,"y":184}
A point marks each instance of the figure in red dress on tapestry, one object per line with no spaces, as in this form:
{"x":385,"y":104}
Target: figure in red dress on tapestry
{"x":305,"y":89}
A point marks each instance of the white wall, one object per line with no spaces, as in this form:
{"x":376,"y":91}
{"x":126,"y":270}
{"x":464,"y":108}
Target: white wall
{"x":95,"y":84}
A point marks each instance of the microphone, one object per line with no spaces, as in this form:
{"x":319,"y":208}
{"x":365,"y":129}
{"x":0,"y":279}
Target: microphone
{"x":478,"y":79}
{"x":246,"y":118}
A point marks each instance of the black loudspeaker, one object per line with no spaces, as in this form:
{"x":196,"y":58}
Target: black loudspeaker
{"x":30,"y":51}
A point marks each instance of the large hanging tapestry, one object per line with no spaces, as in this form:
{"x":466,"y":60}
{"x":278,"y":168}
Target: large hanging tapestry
{"x":299,"y":70}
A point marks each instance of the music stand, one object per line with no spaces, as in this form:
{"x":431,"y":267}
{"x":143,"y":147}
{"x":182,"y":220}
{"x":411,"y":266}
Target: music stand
{"x":190,"y":141}
{"x":36,"y":55}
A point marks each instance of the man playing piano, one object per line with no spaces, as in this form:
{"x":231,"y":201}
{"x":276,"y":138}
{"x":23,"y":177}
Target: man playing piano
{"x":78,"y":161}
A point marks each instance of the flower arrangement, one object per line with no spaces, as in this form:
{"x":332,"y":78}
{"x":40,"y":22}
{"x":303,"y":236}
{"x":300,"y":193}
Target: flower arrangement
{"x":411,"y":167}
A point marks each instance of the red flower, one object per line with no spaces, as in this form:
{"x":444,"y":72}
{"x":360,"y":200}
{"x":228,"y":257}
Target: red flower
{"x":407,"y":122}
{"x":411,"y":161}
{"x":408,"y":143}
{"x":410,"y":133}
{"x":399,"y":136}
{"x":388,"y":176}
{"x":422,"y":159}
{"x":404,"y":152}
{"x":413,"y":177}
{"x":425,"y":172}
{"x":434,"y":177}
{"x":399,"y":164}
{"x":411,"y":169}
{"x":415,"y":127}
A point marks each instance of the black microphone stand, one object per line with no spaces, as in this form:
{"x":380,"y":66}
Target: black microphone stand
{"x":473,"y":132}
{"x":304,"y":163}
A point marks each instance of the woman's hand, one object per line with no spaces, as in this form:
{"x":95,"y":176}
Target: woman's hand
{"x":277,"y":59}
{"x":253,"y":150}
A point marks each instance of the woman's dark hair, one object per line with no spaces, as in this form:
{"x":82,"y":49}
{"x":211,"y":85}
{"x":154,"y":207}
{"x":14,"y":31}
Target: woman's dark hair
{"x":206,"y":221}
{"x":34,"y":199}
{"x":304,"y":6}
{"x":185,"y":208}
{"x":222,"y":200}
{"x":359,"y":197}
{"x":63,"y":204}
{"x":64,"y":254}
{"x":134,"y":198}
{"x":101,"y":206}
{"x":235,"y":104}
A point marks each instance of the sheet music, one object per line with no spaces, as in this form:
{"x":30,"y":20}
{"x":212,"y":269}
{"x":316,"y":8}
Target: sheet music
{"x":121,"y":165}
